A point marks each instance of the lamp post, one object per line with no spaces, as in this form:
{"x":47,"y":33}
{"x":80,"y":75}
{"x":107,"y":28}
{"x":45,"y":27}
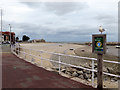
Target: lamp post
{"x":1,"y":26}
{"x":10,"y":34}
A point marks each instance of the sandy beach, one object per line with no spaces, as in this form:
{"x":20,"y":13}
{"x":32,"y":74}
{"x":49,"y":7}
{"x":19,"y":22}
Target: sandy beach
{"x":48,"y":47}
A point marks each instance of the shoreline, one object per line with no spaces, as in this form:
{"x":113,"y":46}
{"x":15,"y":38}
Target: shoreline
{"x":86,"y":43}
{"x":76,"y":43}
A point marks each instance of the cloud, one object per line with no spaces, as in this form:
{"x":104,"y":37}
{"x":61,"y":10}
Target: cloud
{"x":32,"y":4}
{"x":58,"y":8}
{"x":79,"y":31}
{"x":107,"y":19}
{"x":63,"y":8}
{"x":37,"y":31}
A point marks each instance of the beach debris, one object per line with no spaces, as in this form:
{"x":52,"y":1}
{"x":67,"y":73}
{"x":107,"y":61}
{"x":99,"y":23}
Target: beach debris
{"x":71,"y":49}
{"x":33,"y":60}
{"x":60,"y":45}
{"x":82,"y":50}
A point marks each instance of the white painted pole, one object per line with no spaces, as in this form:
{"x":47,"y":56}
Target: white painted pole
{"x":93,"y":73}
{"x":59,"y":64}
{"x":18,"y":49}
{"x":1,"y":26}
{"x":41,"y":59}
{"x":10,"y":35}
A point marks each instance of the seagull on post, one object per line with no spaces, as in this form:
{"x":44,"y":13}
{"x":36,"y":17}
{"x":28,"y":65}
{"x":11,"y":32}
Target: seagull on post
{"x":101,"y":29}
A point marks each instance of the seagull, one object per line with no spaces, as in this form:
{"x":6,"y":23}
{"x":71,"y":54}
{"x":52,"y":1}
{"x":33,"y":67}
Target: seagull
{"x":101,"y":29}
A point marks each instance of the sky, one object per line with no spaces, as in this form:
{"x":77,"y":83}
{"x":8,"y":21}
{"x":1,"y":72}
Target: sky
{"x":61,"y":21}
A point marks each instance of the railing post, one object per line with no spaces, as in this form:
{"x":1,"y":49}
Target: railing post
{"x":59,"y":63}
{"x":11,"y":49}
{"x":15,"y":49}
{"x":18,"y":49}
{"x":24,"y":54}
{"x":30,"y":53}
{"x":93,"y":73}
{"x":41,"y":59}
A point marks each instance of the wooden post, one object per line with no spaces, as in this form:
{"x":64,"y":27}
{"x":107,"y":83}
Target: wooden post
{"x":99,"y":71}
{"x":99,"y":47}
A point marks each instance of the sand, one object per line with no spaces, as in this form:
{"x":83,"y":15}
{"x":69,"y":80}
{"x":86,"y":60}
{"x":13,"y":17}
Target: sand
{"x":48,"y":47}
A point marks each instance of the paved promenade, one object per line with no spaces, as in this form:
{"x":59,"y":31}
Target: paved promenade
{"x":17,"y":73}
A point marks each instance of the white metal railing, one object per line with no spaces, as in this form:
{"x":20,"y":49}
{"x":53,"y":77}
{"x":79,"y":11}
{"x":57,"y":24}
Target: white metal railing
{"x":17,"y":48}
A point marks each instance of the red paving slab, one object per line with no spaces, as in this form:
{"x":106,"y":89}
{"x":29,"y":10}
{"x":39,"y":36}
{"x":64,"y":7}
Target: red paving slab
{"x":18,"y":73}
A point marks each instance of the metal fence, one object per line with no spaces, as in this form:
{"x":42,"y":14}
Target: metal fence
{"x":16,"y":49}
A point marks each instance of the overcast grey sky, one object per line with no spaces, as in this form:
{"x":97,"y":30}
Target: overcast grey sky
{"x":61,"y":21}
